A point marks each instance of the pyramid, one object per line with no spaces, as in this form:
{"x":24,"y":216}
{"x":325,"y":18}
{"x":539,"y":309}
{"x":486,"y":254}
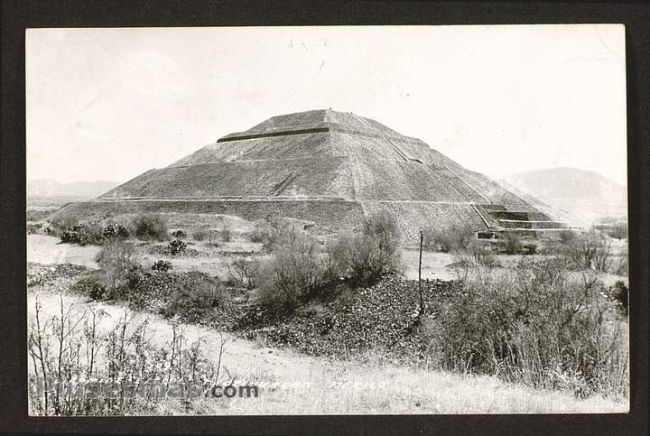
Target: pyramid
{"x":328,"y":167}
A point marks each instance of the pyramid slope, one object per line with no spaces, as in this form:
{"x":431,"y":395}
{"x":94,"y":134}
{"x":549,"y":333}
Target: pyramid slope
{"x":323,"y":166}
{"x":350,"y":157}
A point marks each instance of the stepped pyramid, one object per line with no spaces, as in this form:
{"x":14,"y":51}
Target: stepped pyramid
{"x":323,"y":166}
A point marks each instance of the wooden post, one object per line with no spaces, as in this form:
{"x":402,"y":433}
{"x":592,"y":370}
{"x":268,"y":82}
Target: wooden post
{"x":420,"y":275}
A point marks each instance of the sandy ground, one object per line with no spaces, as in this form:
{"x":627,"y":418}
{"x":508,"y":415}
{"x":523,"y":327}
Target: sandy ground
{"x":48,"y":250}
{"x":434,"y":265}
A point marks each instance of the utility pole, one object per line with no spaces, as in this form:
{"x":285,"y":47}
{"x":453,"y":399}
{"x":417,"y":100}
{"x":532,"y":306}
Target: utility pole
{"x":420,"y":275}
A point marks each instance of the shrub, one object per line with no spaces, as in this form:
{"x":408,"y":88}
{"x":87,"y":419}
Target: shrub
{"x":619,"y":293}
{"x":83,"y":234}
{"x":32,"y":228}
{"x":92,"y":287}
{"x":195,"y":298}
{"x":122,"y":352}
{"x":512,"y":243}
{"x":150,"y":226}
{"x":176,"y":247}
{"x":620,"y":266}
{"x":63,"y":222}
{"x":618,"y":231}
{"x":290,"y":276}
{"x":243,"y":270}
{"x":115,"y":231}
{"x":259,"y":235}
{"x":162,"y":266}
{"x":535,"y":326}
{"x":117,"y":260}
{"x":199,"y":235}
{"x":300,"y":270}
{"x":226,"y":234}
{"x":482,"y":253}
{"x":567,"y":236}
{"x":371,"y":254}
{"x":590,"y":250}
{"x":453,"y":238}
{"x":179,"y":234}
{"x":277,"y":233}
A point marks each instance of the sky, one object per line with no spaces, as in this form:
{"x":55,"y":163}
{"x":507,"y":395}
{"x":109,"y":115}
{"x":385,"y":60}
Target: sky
{"x":109,"y":104}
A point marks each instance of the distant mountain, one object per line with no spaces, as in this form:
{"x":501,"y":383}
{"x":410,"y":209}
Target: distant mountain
{"x":81,"y":190}
{"x":585,"y":195}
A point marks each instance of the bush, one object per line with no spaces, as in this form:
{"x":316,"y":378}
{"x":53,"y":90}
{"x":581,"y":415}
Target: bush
{"x":179,"y":234}
{"x":590,"y":250}
{"x":292,"y":275}
{"x":619,"y":293}
{"x":83,"y":234}
{"x":454,"y":238}
{"x":92,"y":287}
{"x":115,"y":231}
{"x":276,"y":234}
{"x":259,"y":235}
{"x":226,"y":234}
{"x":199,"y":235}
{"x":243,"y":270}
{"x":534,"y":326}
{"x":300,"y":270}
{"x":124,"y":351}
{"x":512,"y":243}
{"x":117,"y":260}
{"x":63,"y":222}
{"x":195,"y":298}
{"x":618,"y":231}
{"x":176,"y":247}
{"x":567,"y":236}
{"x":482,"y":253}
{"x":150,"y":227}
{"x":162,"y":266}
{"x":370,"y":255}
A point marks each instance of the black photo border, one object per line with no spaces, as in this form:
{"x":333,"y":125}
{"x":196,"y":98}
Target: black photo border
{"x":18,"y":15}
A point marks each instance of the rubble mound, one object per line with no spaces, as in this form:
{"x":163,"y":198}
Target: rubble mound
{"x":381,"y":318}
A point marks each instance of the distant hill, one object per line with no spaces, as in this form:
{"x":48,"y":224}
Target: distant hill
{"x":585,"y":195}
{"x":82,"y":190}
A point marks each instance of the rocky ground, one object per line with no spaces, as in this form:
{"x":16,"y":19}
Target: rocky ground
{"x":383,"y":317}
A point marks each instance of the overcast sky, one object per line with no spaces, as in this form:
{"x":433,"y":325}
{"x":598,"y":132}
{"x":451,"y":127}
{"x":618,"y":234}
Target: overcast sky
{"x":109,"y":104}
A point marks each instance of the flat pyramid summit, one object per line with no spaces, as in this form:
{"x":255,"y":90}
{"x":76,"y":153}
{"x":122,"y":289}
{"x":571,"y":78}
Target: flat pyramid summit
{"x":328,"y":167}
